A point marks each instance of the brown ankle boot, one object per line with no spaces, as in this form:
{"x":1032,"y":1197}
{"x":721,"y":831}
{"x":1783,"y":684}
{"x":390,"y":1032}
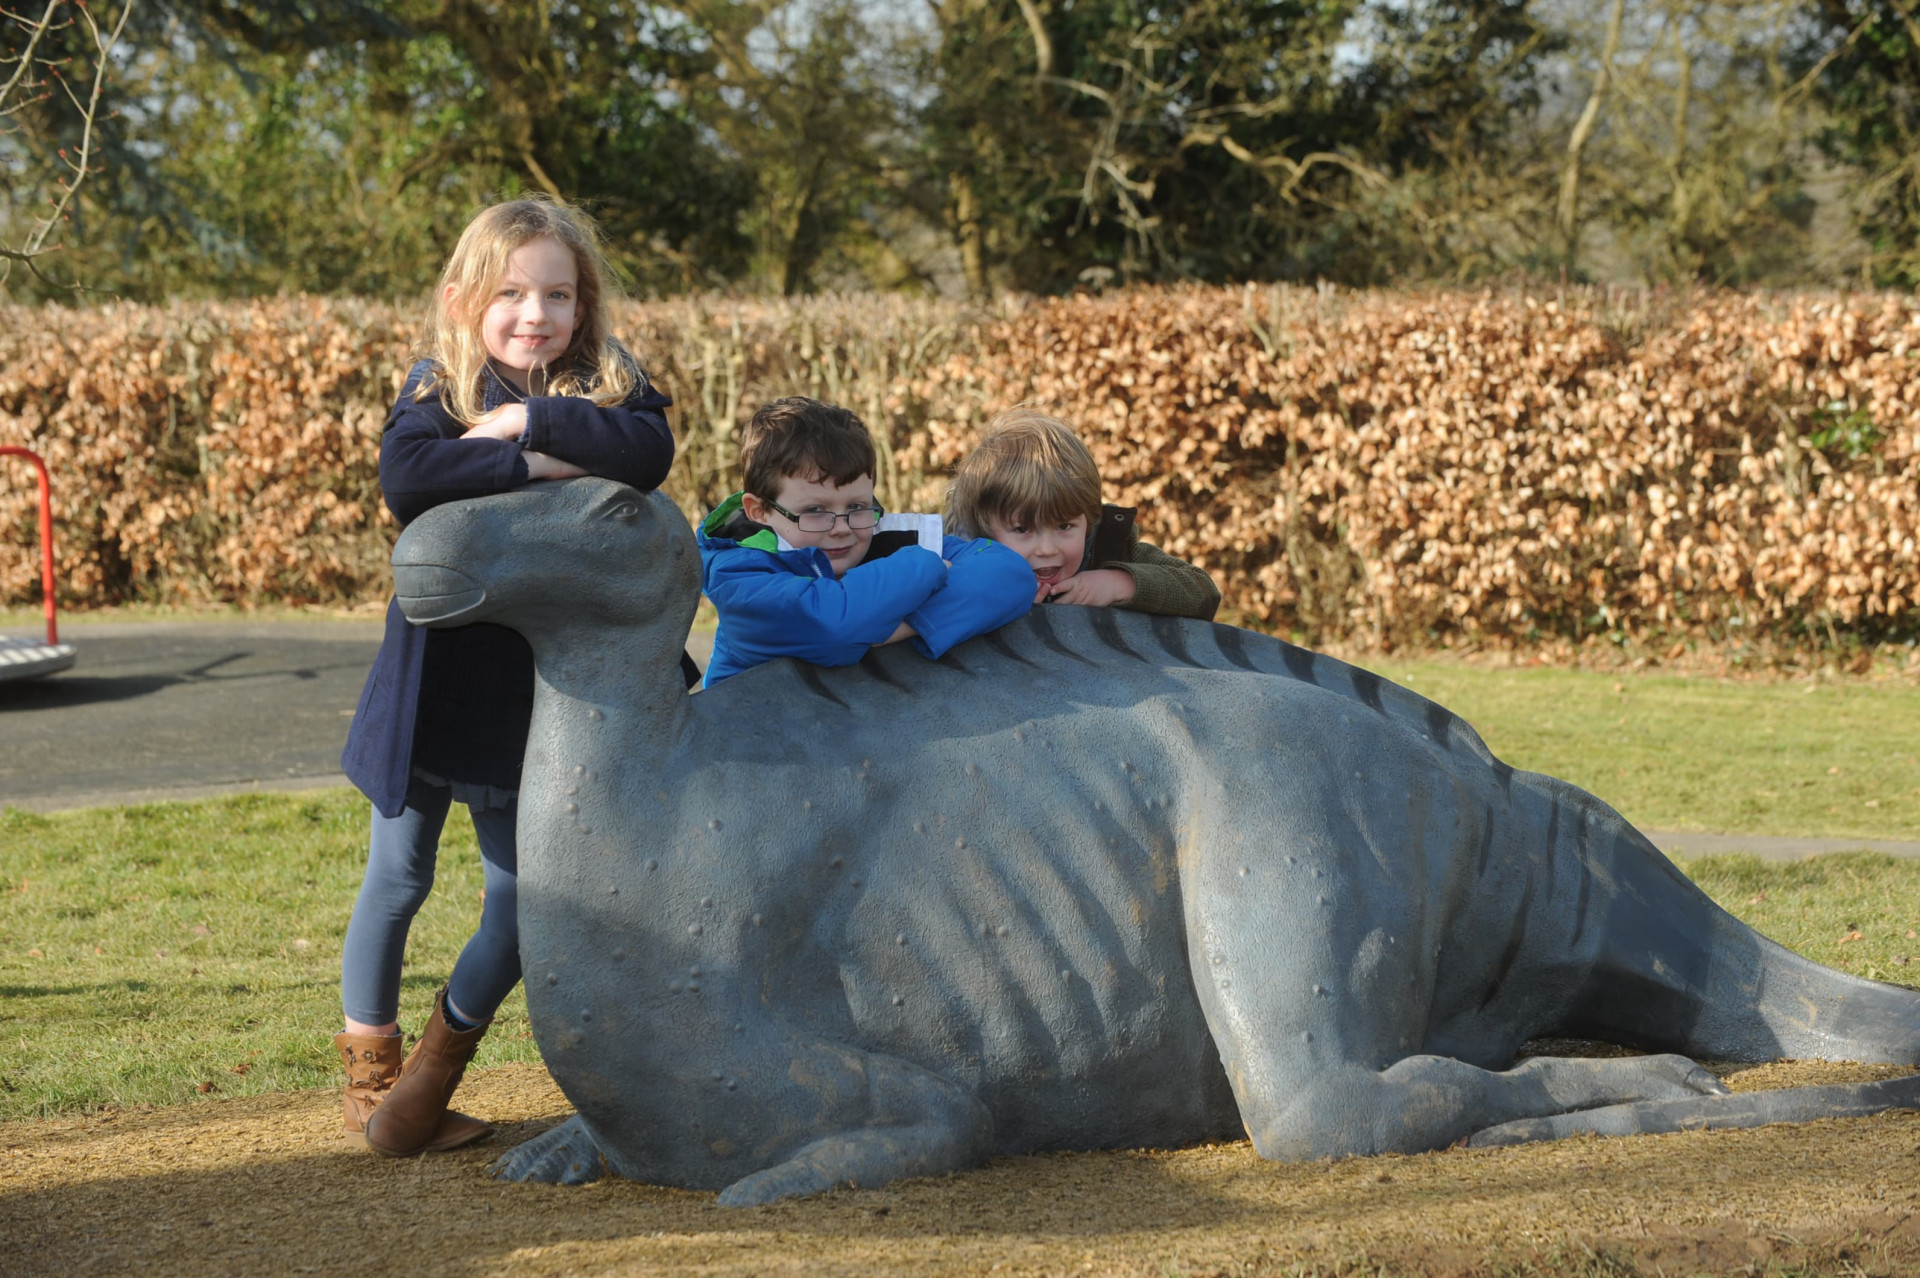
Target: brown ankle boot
{"x":414,"y":1118}
{"x":373,"y":1064}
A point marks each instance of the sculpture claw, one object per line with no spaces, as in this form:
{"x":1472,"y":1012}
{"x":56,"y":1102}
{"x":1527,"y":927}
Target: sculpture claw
{"x":564,"y":1155}
{"x":770,"y":1186}
{"x":1672,"y":1077}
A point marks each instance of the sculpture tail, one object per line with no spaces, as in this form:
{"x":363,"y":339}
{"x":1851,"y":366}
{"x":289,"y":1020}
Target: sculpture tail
{"x":1676,"y":972}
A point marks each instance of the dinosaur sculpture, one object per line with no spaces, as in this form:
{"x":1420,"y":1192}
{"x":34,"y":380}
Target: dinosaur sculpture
{"x":1094,"y":880}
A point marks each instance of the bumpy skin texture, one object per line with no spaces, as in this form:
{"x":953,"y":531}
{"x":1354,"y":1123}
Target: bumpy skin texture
{"x":1093,"y":880}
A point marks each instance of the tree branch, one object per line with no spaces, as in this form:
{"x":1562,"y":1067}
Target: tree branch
{"x":79,"y":165}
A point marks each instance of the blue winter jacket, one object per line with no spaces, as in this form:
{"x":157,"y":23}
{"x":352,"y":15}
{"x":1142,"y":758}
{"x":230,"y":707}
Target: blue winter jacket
{"x":787,"y":603}
{"x":458,"y":702}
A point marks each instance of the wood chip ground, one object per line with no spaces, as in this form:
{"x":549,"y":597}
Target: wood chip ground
{"x":264,"y":1185}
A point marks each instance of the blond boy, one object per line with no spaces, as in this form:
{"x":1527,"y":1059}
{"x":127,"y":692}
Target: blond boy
{"x":1032,"y":486}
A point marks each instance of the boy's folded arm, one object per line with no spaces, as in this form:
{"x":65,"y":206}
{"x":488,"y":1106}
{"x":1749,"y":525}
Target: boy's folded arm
{"x":987,"y":587}
{"x":629,"y":441}
{"x":1166,"y":585}
{"x":772,"y":612}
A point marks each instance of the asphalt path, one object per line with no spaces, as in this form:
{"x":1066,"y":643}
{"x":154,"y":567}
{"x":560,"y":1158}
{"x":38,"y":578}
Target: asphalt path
{"x":183,"y":710}
{"x":175,"y":710}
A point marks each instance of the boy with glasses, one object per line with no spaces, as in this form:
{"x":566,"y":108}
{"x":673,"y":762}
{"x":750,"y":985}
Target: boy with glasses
{"x":790,"y":565}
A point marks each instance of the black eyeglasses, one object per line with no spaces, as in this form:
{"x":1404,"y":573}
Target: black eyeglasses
{"x":859,"y":519}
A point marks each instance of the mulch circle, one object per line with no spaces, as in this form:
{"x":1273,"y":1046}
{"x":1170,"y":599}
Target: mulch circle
{"x":265,"y":1185}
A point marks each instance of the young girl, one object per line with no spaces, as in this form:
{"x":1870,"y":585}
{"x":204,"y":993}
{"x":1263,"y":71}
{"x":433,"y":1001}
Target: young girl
{"x":1032,"y":486}
{"x":524,"y":382}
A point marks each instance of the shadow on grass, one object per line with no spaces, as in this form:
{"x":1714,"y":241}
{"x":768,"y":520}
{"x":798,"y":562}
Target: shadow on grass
{"x":59,"y":991}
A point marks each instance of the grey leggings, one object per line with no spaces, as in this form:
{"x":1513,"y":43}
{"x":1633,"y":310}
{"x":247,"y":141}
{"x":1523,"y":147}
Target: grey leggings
{"x":400,"y":860}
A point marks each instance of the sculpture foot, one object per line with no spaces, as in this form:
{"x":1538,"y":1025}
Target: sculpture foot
{"x":564,"y":1155}
{"x":865,"y":1159}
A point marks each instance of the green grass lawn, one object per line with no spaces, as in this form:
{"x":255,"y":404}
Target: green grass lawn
{"x":171,"y":952}
{"x":1802,"y":757}
{"x":165,"y":952}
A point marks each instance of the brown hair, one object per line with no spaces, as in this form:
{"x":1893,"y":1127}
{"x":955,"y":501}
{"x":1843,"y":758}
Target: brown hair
{"x":1030,"y":468}
{"x":594,"y":365}
{"x":803,"y":437}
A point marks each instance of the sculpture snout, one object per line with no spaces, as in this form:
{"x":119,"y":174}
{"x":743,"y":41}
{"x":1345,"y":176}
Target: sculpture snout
{"x":430,"y":594}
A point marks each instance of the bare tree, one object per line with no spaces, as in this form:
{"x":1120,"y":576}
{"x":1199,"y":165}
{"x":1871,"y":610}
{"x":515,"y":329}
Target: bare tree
{"x":1569,"y":208}
{"x":48,"y":91}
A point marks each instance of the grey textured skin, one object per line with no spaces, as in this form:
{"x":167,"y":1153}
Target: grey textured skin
{"x":1095,"y":880}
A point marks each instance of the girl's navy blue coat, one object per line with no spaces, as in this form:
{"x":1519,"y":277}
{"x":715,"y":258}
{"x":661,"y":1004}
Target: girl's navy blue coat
{"x":457,"y":702}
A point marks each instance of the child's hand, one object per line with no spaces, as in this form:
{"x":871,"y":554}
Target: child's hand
{"x":544,"y":466}
{"x":1099,"y":588}
{"x":509,"y":421}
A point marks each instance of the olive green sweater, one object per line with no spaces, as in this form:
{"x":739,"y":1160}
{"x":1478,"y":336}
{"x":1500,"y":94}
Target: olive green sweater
{"x":1162,"y":584}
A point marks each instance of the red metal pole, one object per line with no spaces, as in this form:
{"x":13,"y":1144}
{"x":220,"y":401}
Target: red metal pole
{"x":46,"y":532}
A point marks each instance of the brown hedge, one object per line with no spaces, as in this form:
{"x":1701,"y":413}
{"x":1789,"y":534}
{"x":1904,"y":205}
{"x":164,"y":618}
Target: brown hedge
{"x":1376,"y":468}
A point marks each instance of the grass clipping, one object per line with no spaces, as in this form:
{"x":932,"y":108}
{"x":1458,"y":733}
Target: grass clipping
{"x":265,"y":1184}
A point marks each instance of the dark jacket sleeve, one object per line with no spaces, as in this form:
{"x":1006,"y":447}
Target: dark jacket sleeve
{"x":425,"y":462}
{"x":629,"y":441}
{"x":1167,"y":586}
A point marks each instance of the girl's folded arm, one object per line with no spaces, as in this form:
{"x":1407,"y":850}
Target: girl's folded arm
{"x":422,"y":466}
{"x":629,"y":442}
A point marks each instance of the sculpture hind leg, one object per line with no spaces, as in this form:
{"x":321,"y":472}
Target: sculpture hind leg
{"x":1751,"y":1109}
{"x":1317,"y":1001}
{"x":1675,"y":972}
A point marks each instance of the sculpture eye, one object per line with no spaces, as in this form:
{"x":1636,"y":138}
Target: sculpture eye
{"x":626,"y":511}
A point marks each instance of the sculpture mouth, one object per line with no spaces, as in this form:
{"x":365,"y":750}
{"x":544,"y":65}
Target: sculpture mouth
{"x":429,"y":593}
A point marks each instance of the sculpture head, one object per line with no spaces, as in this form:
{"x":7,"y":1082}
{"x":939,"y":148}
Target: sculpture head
{"x":549,"y":556}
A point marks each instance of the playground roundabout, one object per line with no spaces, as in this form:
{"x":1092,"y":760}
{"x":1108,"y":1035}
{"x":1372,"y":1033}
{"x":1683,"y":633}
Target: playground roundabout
{"x":264,"y":1185}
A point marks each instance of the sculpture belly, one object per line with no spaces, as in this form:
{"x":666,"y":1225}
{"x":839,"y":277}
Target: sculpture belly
{"x":1048,"y":974}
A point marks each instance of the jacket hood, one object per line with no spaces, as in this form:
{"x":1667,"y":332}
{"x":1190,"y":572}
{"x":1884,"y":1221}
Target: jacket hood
{"x":1114,"y":539}
{"x":728,"y":522}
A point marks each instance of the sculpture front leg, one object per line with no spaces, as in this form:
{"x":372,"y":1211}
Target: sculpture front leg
{"x":885,"y":1119}
{"x":563,"y":1155}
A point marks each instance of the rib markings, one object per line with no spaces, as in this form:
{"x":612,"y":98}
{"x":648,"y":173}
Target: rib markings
{"x":1107,"y":630}
{"x":1232,"y":647}
{"x":810,"y":675}
{"x":1173,"y":640}
{"x":1043,"y":626}
{"x":1514,"y":942}
{"x":1301,"y":663}
{"x":1367,"y":684}
{"x":998,"y":642}
{"x":872,"y":664}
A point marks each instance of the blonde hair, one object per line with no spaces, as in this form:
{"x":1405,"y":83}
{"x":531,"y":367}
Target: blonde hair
{"x":595,"y":365}
{"x":1030,"y":468}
